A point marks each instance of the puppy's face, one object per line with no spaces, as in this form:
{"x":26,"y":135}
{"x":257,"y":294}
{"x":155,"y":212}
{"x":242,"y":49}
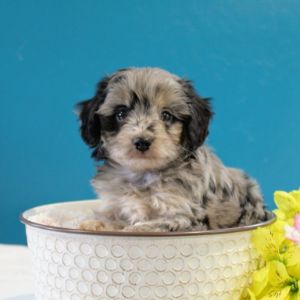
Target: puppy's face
{"x":144,"y":118}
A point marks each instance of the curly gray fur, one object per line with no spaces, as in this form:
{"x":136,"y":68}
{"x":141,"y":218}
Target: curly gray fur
{"x":176,"y":185}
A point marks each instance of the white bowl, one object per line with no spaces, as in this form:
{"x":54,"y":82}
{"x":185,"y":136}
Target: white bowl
{"x":80,"y":265}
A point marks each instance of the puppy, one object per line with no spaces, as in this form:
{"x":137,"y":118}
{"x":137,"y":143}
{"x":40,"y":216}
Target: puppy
{"x":149,"y":127}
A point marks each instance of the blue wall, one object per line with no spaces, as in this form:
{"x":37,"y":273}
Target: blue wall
{"x":245,"y":54}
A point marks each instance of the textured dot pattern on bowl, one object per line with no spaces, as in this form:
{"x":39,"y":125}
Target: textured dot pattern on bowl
{"x":85,"y":267}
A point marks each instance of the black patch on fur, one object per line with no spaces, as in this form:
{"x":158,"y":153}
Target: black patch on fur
{"x":99,"y":152}
{"x":196,"y":124}
{"x":249,"y":196}
{"x":205,"y":221}
{"x":146,"y":104}
{"x":134,"y":100}
{"x":205,"y":200}
{"x":212,"y":186}
{"x":227,"y":192}
{"x":243,"y":213}
{"x":117,"y":78}
{"x":110,"y":124}
{"x":91,"y":123}
{"x":143,"y":102}
{"x":245,"y":200}
{"x":266,"y":215}
{"x":183,"y":184}
{"x":151,"y":128}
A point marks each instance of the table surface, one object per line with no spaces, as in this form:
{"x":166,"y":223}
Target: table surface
{"x":15,"y":273}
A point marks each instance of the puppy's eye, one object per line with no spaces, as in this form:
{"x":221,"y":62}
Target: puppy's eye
{"x":166,"y":116}
{"x":121,"y":113}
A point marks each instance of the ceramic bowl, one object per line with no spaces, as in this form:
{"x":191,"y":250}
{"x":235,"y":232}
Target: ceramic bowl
{"x":80,"y":265}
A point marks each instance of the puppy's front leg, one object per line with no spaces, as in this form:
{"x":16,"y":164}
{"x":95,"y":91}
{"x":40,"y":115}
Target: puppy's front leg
{"x":105,"y":219}
{"x":177,"y":223}
{"x":97,"y":225}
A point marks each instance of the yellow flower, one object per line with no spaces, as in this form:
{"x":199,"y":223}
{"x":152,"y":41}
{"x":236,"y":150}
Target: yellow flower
{"x":279,"y":276}
{"x":288,"y":205}
{"x":274,"y":283}
{"x":291,"y":258}
{"x":272,"y":245}
{"x":251,"y":295}
{"x":260,"y":281}
{"x":277,"y":294}
{"x":296,"y":195}
{"x":268,"y":241}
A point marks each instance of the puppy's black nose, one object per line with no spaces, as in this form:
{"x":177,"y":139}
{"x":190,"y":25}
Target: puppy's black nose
{"x":141,"y":144}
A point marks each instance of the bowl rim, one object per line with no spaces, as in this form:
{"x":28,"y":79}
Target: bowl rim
{"x":27,"y":222}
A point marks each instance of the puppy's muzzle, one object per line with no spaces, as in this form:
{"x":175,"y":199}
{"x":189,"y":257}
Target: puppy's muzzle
{"x":141,"y":144}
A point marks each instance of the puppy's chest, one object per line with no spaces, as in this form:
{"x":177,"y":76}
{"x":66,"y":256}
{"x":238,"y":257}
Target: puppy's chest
{"x":139,"y":185}
{"x":147,"y":189}
{"x":154,"y":188}
{"x":145,"y":181}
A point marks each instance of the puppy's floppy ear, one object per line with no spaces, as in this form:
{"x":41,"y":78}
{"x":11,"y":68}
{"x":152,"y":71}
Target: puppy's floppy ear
{"x":196,"y":127}
{"x":90,"y":127}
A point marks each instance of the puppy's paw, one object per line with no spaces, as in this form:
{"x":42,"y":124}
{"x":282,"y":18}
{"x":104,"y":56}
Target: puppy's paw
{"x":200,"y":227}
{"x":143,"y":228}
{"x":92,"y":225}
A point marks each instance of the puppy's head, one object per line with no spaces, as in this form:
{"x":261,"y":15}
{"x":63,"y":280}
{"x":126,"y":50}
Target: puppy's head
{"x":144,"y":118}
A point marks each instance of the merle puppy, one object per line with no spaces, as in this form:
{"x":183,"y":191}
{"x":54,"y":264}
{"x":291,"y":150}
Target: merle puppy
{"x":149,"y":126}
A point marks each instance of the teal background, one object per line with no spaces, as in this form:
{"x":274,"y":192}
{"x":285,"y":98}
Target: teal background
{"x":244,"y":54}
